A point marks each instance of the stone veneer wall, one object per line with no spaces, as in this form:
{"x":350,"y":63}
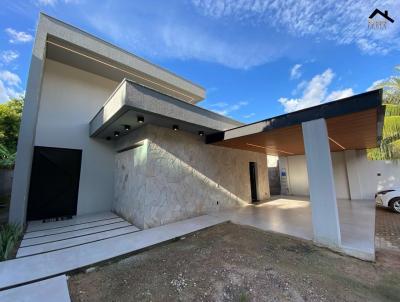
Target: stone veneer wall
{"x":175,"y":175}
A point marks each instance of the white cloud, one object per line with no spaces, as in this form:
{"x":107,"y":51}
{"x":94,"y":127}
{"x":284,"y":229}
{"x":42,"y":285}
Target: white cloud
{"x":315,"y":92}
{"x":371,"y":47}
{"x":10,"y":78}
{"x":54,"y":2}
{"x":375,"y":84}
{"x":219,"y":105}
{"x":8,"y":56}
{"x":249,"y":115}
{"x":225,"y":108}
{"x":9,"y":86}
{"x":339,"y":94}
{"x":18,"y":36}
{"x":295,"y":72}
{"x":185,"y":39}
{"x":343,"y":21}
{"x":47,"y":2}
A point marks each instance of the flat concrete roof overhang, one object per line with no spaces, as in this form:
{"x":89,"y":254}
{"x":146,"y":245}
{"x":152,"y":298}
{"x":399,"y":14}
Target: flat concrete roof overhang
{"x":353,"y":123}
{"x":72,"y":46}
{"x":131,"y":100}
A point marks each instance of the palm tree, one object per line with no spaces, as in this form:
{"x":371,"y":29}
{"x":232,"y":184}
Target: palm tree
{"x":390,"y":144}
{"x":391,"y":88}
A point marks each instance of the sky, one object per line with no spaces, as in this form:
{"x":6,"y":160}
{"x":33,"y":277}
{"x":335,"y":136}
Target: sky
{"x":256,"y":59}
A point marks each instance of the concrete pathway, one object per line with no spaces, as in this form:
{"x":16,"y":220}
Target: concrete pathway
{"x":28,"y":269}
{"x":50,"y":290}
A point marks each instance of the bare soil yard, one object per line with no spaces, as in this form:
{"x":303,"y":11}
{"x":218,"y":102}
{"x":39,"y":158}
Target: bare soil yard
{"x":237,"y":263}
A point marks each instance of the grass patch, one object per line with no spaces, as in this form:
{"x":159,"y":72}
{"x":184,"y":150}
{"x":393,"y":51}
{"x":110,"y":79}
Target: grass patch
{"x":9,"y":236}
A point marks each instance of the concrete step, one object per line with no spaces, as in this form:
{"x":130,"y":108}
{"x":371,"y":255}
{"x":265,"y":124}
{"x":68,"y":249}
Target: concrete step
{"x":32,"y":268}
{"x":62,"y":244}
{"x":71,"y":228}
{"x":39,"y":225}
{"x":73,"y":234}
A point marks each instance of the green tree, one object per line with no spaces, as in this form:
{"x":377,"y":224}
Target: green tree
{"x":10,"y":119}
{"x":390,"y":145}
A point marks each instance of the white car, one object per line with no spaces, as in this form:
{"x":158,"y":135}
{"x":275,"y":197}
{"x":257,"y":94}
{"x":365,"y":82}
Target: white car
{"x":389,"y":198}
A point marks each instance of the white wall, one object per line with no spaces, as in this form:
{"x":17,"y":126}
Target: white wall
{"x":296,"y":168}
{"x":363,"y":174}
{"x":356,"y":177}
{"x":70,"y":98}
{"x":297,"y":174}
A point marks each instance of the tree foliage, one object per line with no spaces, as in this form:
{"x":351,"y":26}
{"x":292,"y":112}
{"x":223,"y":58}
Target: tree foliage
{"x":389,"y":148}
{"x":10,"y":119}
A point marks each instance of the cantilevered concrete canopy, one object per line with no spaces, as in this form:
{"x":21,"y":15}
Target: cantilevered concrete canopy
{"x":353,"y":123}
{"x":131,"y":101}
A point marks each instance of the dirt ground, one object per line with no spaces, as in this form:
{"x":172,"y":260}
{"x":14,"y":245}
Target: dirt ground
{"x":238,"y":263}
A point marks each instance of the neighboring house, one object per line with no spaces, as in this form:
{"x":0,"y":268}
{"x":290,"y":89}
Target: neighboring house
{"x":103,"y":129}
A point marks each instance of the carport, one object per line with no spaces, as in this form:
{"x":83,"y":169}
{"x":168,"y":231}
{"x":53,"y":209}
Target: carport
{"x":352,"y":123}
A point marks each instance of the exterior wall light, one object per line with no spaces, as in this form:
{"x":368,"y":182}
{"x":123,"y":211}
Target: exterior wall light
{"x":140,"y":119}
{"x":201,"y":133}
{"x":116,"y":133}
{"x":127,"y":127}
{"x":175,"y":127}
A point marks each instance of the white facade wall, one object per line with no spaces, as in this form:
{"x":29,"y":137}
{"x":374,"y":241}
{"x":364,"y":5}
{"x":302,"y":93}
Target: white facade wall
{"x":369,"y":176}
{"x":297,"y":178}
{"x":69,"y":100}
{"x":175,"y":175}
{"x":355,"y":176}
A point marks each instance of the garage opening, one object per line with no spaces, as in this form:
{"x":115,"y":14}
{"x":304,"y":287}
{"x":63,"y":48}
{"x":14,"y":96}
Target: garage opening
{"x":54,"y":184}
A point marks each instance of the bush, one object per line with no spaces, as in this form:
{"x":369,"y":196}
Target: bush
{"x":9,"y":236}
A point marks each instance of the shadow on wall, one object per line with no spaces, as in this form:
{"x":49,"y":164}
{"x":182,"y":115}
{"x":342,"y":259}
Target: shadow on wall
{"x":183,"y":178}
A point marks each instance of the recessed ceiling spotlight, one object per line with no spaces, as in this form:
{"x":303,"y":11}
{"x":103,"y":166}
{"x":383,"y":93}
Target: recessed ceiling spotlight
{"x":127,"y":127}
{"x":201,"y":133}
{"x":140,"y":119}
{"x":175,"y":127}
{"x":116,"y":133}
{"x":108,"y":138}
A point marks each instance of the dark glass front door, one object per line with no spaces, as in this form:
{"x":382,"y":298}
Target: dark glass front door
{"x":54,"y":185}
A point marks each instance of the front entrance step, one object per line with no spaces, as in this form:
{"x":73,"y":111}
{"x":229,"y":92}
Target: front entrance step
{"x":62,"y":244}
{"x":39,"y":225}
{"x":28,"y":269}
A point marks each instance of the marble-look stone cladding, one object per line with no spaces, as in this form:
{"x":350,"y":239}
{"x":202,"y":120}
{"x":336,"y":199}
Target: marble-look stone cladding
{"x":175,"y":175}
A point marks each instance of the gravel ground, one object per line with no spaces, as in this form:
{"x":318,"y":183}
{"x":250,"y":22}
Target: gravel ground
{"x":238,"y":263}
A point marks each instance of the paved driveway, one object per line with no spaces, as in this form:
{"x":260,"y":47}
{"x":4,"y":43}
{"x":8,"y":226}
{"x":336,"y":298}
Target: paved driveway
{"x":291,"y":215}
{"x":387,"y":229}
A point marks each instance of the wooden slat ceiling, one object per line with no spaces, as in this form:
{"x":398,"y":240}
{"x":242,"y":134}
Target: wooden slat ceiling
{"x":352,"y":131}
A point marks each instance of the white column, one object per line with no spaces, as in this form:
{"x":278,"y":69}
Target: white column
{"x":325,"y":217}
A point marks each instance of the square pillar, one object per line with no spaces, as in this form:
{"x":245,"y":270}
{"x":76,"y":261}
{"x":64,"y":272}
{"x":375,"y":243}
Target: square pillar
{"x":325,"y":216}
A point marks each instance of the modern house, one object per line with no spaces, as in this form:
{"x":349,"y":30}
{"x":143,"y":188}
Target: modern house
{"x":103,"y":129}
